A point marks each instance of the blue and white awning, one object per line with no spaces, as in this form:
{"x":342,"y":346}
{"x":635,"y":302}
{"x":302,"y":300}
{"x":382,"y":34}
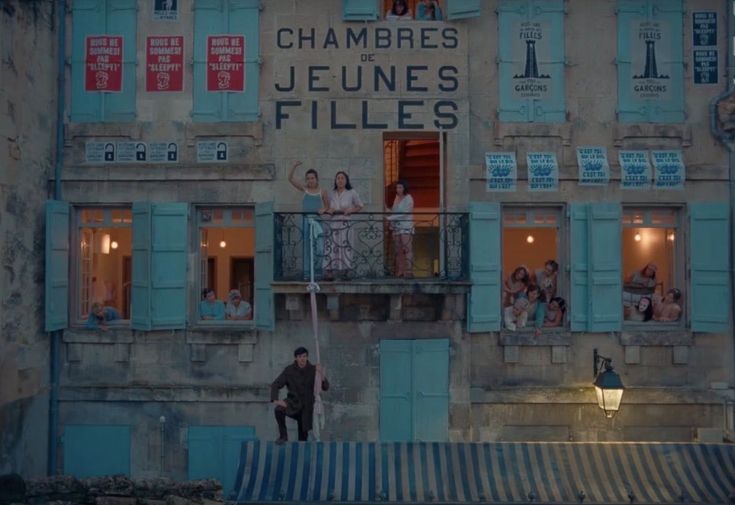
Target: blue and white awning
{"x":413,"y":472}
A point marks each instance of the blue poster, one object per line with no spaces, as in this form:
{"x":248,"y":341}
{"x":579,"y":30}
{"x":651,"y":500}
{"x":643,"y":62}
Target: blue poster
{"x":669,"y":170}
{"x":594,"y":170}
{"x":635,"y":170}
{"x":543,"y":172}
{"x":502,"y":171}
{"x":704,"y":28}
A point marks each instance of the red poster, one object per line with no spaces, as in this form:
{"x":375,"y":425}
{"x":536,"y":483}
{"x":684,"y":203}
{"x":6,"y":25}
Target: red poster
{"x":103,"y":57}
{"x":164,"y":67}
{"x":226,"y":63}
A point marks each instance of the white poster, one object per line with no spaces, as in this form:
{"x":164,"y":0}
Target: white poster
{"x":635,"y":170}
{"x":594,"y":169}
{"x":211,"y":151}
{"x":165,"y":10}
{"x":543,"y":172}
{"x":669,"y":170}
{"x":502,"y":171}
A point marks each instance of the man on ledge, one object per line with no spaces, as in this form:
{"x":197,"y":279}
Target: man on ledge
{"x":299,"y":378}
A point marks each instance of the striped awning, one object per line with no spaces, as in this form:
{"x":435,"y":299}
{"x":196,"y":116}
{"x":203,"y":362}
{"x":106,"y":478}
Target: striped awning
{"x":544,"y":472}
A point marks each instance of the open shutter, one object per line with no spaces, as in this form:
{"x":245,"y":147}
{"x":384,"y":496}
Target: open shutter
{"x":169,"y":225}
{"x":57,"y":265}
{"x":396,"y":410}
{"x":605,"y":273}
{"x":580,"y":300}
{"x":88,"y":18}
{"x":360,"y":10}
{"x":462,"y":9}
{"x":431,"y":390}
{"x":264,"y":309}
{"x":243,"y":18}
{"x":709,"y":295}
{"x":484,"y":299}
{"x":140,"y":318}
{"x":209,"y":19}
{"x":666,"y":61}
{"x":512,"y":107}
{"x":122,"y":20}
{"x":550,"y":14}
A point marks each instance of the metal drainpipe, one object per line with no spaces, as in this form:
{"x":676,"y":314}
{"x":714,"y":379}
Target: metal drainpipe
{"x":54,"y":368}
{"x":730,"y":13}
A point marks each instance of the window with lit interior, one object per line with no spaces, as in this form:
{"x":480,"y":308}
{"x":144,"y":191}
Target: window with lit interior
{"x":652,"y":266}
{"x":226,"y":266}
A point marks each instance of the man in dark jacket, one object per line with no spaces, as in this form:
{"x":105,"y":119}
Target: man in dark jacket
{"x":299,"y":378}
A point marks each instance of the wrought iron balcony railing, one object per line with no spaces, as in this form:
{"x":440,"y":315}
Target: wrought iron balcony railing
{"x":372,"y":245}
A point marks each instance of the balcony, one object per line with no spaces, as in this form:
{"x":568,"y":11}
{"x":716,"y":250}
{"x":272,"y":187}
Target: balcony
{"x":358,"y":254}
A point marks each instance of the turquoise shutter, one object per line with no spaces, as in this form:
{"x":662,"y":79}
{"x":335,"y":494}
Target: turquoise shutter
{"x":264,"y":310}
{"x":57,"y":265}
{"x":209,"y":19}
{"x":605,"y":271}
{"x":550,"y":15}
{"x":578,"y":308}
{"x":431,"y":390}
{"x":630,"y":107}
{"x":360,"y":10}
{"x":140,"y":318}
{"x":709,"y":295}
{"x":88,"y":18}
{"x":93,"y":451}
{"x":169,"y":225}
{"x":122,"y":20}
{"x":214,"y":452}
{"x":463,"y":9}
{"x":484,"y":299}
{"x":243,"y":18}
{"x":512,"y":109}
{"x":396,"y":389}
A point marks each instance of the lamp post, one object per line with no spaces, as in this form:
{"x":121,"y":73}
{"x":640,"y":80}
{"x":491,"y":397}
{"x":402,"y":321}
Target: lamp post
{"x":608,"y":385}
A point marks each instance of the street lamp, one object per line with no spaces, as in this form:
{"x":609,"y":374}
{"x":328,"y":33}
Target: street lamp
{"x":608,"y":386}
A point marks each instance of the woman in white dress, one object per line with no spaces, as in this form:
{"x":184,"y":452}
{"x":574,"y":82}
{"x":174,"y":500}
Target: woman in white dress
{"x":343,"y":201}
{"x":401,"y":224}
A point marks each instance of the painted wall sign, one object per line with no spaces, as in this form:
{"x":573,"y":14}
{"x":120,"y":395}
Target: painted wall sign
{"x":211,"y":151}
{"x":594,"y":169}
{"x":163,"y":152}
{"x":132,"y":152}
{"x":165,"y":10}
{"x":635,"y":170}
{"x":651,"y":59}
{"x":705,"y":66}
{"x":543,"y":172}
{"x":704,"y":28}
{"x":367,"y":62}
{"x":99,"y":152}
{"x":669,"y":170}
{"x":164,"y":64}
{"x":103,"y":58}
{"x":501,"y":171}
{"x":225,"y":63}
{"x":531,"y":46}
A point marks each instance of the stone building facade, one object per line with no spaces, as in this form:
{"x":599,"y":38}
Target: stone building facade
{"x":160,"y":172}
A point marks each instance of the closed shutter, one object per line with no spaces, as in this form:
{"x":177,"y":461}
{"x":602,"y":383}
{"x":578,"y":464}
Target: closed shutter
{"x":121,"y":20}
{"x":431,"y":390}
{"x":140,"y":318}
{"x":462,"y":9}
{"x":709,"y":295}
{"x":214,"y":453}
{"x":605,"y":271}
{"x":264,"y":309}
{"x":88,"y":18}
{"x":96,"y":450}
{"x":169,"y":225}
{"x":57,"y":265}
{"x":209,"y":19}
{"x":513,"y":108}
{"x":580,"y":299}
{"x":360,"y":10}
{"x":396,"y":390}
{"x":553,"y":108}
{"x":484,"y":299}
{"x":243,"y":18}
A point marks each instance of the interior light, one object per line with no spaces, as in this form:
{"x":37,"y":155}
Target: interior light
{"x":105,"y":243}
{"x":530,"y":239}
{"x":114,"y":244}
{"x":222,"y":244}
{"x":671,"y":237}
{"x":637,"y":237}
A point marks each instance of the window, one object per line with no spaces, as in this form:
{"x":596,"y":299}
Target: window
{"x":531,"y":268}
{"x":103,"y":268}
{"x":227,"y":263}
{"x":652,"y":266}
{"x":103,"y":79}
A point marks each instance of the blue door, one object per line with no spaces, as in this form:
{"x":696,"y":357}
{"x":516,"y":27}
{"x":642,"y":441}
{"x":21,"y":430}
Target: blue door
{"x":214,"y":452}
{"x":414,"y":390}
{"x":95,"y":450}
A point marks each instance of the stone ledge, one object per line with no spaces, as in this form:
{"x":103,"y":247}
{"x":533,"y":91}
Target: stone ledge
{"x":560,"y":130}
{"x":131,"y":130}
{"x":377,"y":286}
{"x":529,"y":338}
{"x":122,"y":335}
{"x":190,"y":172}
{"x":622,"y":131}
{"x":199,"y":334}
{"x":202,"y":131}
{"x":222,"y":336}
{"x":165,"y":393}
{"x":658,"y":338}
{"x":586,"y":394}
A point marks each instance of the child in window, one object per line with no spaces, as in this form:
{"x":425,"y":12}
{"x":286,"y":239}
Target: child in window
{"x":555,"y":312}
{"x":546,"y":278}
{"x":515,"y":284}
{"x":517,"y":314}
{"x":428,"y":10}
{"x":399,"y":11}
{"x":641,"y":312}
{"x":669,"y":309}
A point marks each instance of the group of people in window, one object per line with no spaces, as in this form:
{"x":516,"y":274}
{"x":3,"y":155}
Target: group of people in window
{"x":530,"y":298}
{"x":234,"y":309}
{"x":641,"y":303}
{"x":426,"y":10}
{"x":327,"y":230}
